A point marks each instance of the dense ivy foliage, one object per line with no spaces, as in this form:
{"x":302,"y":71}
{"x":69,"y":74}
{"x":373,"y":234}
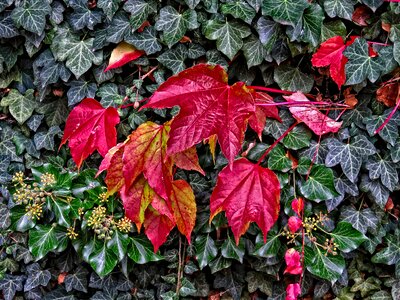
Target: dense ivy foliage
{"x":62,"y":238}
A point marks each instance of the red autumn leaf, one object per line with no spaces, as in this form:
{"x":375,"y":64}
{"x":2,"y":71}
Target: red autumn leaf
{"x":145,"y":152}
{"x":293,"y":290}
{"x":123,"y":54}
{"x":294,"y":224}
{"x":361,"y":15}
{"x":298,"y":206}
{"x":136,"y":198}
{"x":258,"y":119}
{"x":247,"y":193}
{"x":90,"y":127}
{"x":183,"y":207}
{"x":143,"y":26}
{"x":188,"y":160}
{"x":112,"y":162}
{"x":311,"y":116}
{"x":330,"y":53}
{"x":157,"y":227}
{"x":208,"y":106}
{"x":389,"y":93}
{"x":293,"y":262}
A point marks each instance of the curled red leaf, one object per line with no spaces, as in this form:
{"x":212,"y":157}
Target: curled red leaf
{"x":293,"y":262}
{"x":294,"y":224}
{"x":311,"y":116}
{"x":123,"y":54}
{"x":293,"y":290}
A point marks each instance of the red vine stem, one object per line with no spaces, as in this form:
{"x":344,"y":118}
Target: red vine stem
{"x":277,"y":141}
{"x":299,"y":103}
{"x":377,"y":43}
{"x":277,"y":91}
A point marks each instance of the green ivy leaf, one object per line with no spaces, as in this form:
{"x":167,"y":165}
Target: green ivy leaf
{"x":7,"y":146}
{"x":140,"y":11}
{"x":102,"y":259}
{"x":7,"y":27}
{"x":77,"y":280}
{"x":376,"y":190}
{"x":383,"y":167}
{"x":79,"y":90}
{"x":141,"y":251}
{"x":20,"y":220}
{"x":347,"y":237}
{"x":174,"y":59}
{"x":331,"y":29}
{"x":11,"y":284}
{"x":287,"y":12}
{"x":277,"y":160}
{"x":258,"y":281}
{"x":119,"y":28}
{"x":362,"y":220}
{"x":61,"y":210}
{"x":366,"y":286}
{"x":360,"y":65}
{"x":109,"y":95}
{"x":254,"y":51}
{"x":297,"y":138}
{"x":78,"y":54}
{"x":239,"y":9}
{"x":390,"y":132}
{"x":83,"y":16}
{"x":21,"y":106}
{"x":146,"y":41}
{"x":292,"y":79}
{"x":312,"y":24}
{"x":340,"y":8}
{"x":327,"y":267}
{"x":229,"y":35}
{"x":350,"y":155}
{"x":229,"y":249}
{"x":43,"y":239}
{"x":319,"y":185}
{"x":220,"y":263}
{"x":373,"y":4}
{"x":269,"y":249}
{"x":109,"y":7}
{"x":174,"y":25}
{"x":269,"y":31}
{"x":119,"y":244}
{"x":45,"y":139}
{"x":36,"y":277}
{"x":205,"y":250}
{"x":32,"y":15}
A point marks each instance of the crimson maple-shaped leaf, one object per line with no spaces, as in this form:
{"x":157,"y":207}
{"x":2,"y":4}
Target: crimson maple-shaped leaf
{"x":90,"y":127}
{"x":123,"y":54}
{"x":157,"y":226}
{"x":208,"y":105}
{"x":247,"y":193}
{"x":317,"y":121}
{"x":330,"y":53}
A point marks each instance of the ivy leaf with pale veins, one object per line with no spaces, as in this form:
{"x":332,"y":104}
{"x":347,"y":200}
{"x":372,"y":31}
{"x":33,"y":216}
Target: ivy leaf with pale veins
{"x":102,"y":259}
{"x":82,"y":16}
{"x":286,"y":12}
{"x":146,"y":41}
{"x":48,"y":71}
{"x":11,"y":284}
{"x":174,"y":25}
{"x":140,"y":11}
{"x":31,"y":15}
{"x":7,"y":146}
{"x":360,"y":65}
{"x":174,"y":59}
{"x":340,"y":8}
{"x":206,"y":250}
{"x":373,"y":4}
{"x":42,"y":240}
{"x":79,"y":90}
{"x":59,"y":294}
{"x":229,"y":35}
{"x":36,"y":277}
{"x":21,"y":106}
{"x":390,"y":132}
{"x":319,"y":185}
{"x":77,"y":280}
{"x":78,"y":54}
{"x":375,"y":189}
{"x":384,"y":168}
{"x":240,"y":10}
{"x":7,"y":27}
{"x":312,"y":24}
{"x":362,"y":220}
{"x":232,"y":251}
{"x":347,"y":237}
{"x":119,"y":28}
{"x":254,"y":51}
{"x":292,"y":79}
{"x":109,"y":7}
{"x":389,"y":255}
{"x":349,"y":155}
{"x":268,"y":32}
{"x":45,"y":139}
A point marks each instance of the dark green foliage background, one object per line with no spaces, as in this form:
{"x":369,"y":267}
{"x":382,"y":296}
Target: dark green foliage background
{"x":53,"y":55}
